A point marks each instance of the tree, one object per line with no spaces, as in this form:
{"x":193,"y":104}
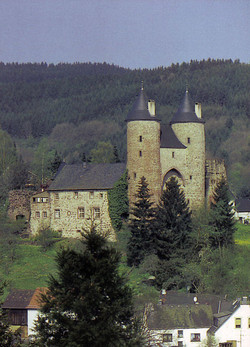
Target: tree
{"x":102,"y":153}
{"x":221,"y":218}
{"x":173,"y":223}
{"x":89,"y":303}
{"x":142,"y":214}
{"x":118,"y":202}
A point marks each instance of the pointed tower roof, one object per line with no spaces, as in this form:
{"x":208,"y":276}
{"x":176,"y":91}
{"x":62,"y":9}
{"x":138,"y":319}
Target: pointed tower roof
{"x":185,"y":113}
{"x":140,"y":110}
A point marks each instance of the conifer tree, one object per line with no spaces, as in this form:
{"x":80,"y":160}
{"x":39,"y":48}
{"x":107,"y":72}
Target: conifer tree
{"x":221,"y":218}
{"x":172,"y":223}
{"x":140,"y":243}
{"x":89,"y":302}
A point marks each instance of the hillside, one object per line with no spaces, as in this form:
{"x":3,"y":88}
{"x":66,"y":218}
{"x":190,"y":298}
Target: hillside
{"x":74,"y":106}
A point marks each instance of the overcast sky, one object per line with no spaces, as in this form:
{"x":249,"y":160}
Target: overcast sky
{"x":129,"y":33}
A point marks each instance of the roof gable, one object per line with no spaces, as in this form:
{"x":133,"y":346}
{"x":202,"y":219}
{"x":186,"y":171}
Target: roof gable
{"x":169,"y":139}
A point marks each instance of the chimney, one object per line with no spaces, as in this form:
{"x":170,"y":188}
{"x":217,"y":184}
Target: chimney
{"x":151,"y":107}
{"x":198,"y":109}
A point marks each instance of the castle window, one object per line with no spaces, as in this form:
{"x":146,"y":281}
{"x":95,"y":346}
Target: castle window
{"x":237,"y":323}
{"x":134,"y":175}
{"x":45,"y":199}
{"x":190,"y":177}
{"x":172,"y":154}
{"x":167,"y":338}
{"x":80,"y":212}
{"x":248,"y":322}
{"x":101,"y":195}
{"x":96,"y":212}
{"x":34,"y":199}
{"x":195,"y":337}
{"x":56,"y":196}
{"x":45,"y":214}
{"x":91,"y":195}
{"x":38,"y":199}
{"x":37,"y":214}
{"x":140,"y":138}
{"x":78,"y":231}
{"x":140,"y":153}
{"x":189,"y":141}
{"x":180,"y":333}
{"x":57,"y":214}
{"x":75,"y":195}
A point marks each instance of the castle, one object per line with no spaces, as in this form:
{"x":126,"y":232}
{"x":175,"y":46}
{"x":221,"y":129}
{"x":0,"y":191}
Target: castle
{"x":157,"y":151}
{"x":78,"y":194}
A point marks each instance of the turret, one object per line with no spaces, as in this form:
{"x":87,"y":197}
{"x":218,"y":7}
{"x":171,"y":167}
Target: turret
{"x":189,"y":128}
{"x":143,"y":148}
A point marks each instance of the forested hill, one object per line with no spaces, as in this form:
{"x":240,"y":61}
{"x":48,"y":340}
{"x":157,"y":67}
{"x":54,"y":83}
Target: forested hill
{"x":74,"y":106}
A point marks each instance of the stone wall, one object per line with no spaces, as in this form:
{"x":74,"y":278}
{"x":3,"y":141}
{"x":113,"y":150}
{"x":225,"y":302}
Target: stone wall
{"x":69,"y":212}
{"x":143,"y":157}
{"x":19,"y":204}
{"x":215,"y":170}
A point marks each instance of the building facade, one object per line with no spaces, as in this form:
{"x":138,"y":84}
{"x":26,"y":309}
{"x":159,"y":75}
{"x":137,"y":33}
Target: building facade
{"x":160,"y":151}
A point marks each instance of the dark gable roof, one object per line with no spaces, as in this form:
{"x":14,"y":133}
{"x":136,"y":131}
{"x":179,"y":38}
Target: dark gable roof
{"x":242,"y":205}
{"x":168,"y":138}
{"x":185,"y":113}
{"x":140,"y":109}
{"x":18,"y":299}
{"x":91,"y":176}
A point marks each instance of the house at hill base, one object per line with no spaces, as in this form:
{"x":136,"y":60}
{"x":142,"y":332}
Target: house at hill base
{"x":76,"y":198}
{"x":23,"y":308}
{"x":242,"y":210}
{"x":186,"y":320}
{"x":78,"y":194}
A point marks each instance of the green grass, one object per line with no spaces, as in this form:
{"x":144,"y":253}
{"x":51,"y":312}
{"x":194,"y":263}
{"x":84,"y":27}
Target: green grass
{"x":242,"y":235}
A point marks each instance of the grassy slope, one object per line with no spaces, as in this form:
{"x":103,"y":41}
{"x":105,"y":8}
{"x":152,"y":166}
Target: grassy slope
{"x":32,"y":265}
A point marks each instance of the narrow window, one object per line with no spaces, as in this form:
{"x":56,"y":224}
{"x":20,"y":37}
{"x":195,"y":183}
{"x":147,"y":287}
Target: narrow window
{"x":167,"y":338}
{"x":189,"y":140}
{"x":195,"y":337}
{"x":37,"y":214}
{"x":190,"y":177}
{"x":57,"y":214}
{"x":56,"y":196}
{"x":140,"y":138}
{"x":34,"y":199}
{"x":97,"y":212}
{"x":45,"y":199}
{"x":172,"y":154}
{"x":75,"y":195}
{"x":249,"y":323}
{"x":91,"y":195}
{"x":45,"y":214}
{"x":140,"y":153}
{"x":180,"y":333}
{"x":101,"y":195}
{"x":80,"y":212}
{"x":237,"y":323}
{"x":78,"y":231}
{"x":38,"y":199}
{"x":134,"y":175}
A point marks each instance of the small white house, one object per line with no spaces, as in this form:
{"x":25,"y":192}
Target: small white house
{"x":233,"y":329}
{"x":242,"y":210}
{"x":23,"y":308}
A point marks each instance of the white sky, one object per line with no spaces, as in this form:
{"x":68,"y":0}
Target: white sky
{"x":129,"y":33}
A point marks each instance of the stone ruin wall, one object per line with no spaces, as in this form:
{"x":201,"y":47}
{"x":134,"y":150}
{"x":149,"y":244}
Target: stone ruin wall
{"x":19,"y":204}
{"x":215,"y":170}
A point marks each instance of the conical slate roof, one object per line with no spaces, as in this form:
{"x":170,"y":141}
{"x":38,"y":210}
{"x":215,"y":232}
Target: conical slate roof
{"x":140,"y":110}
{"x":185,"y":113}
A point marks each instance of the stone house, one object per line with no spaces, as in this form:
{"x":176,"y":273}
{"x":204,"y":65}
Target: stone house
{"x":77,"y":197}
{"x":242,"y":210}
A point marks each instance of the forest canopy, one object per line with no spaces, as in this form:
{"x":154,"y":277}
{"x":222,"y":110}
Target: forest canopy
{"x":74,"y":106}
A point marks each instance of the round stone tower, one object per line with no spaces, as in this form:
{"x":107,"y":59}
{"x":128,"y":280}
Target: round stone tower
{"x":143,"y":148}
{"x":189,"y":128}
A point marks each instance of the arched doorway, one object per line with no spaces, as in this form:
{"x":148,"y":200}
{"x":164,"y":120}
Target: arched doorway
{"x":176,"y":174}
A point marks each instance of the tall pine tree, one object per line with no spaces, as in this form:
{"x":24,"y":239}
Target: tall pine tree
{"x":142,"y":213}
{"x":172,"y":223}
{"x":89,"y":302}
{"x":221,"y":218}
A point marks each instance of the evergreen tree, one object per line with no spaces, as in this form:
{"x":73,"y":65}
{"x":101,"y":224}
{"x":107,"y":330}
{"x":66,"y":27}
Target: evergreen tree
{"x":89,"y":303}
{"x":221,"y":218}
{"x":172,"y":223}
{"x":140,"y":242}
